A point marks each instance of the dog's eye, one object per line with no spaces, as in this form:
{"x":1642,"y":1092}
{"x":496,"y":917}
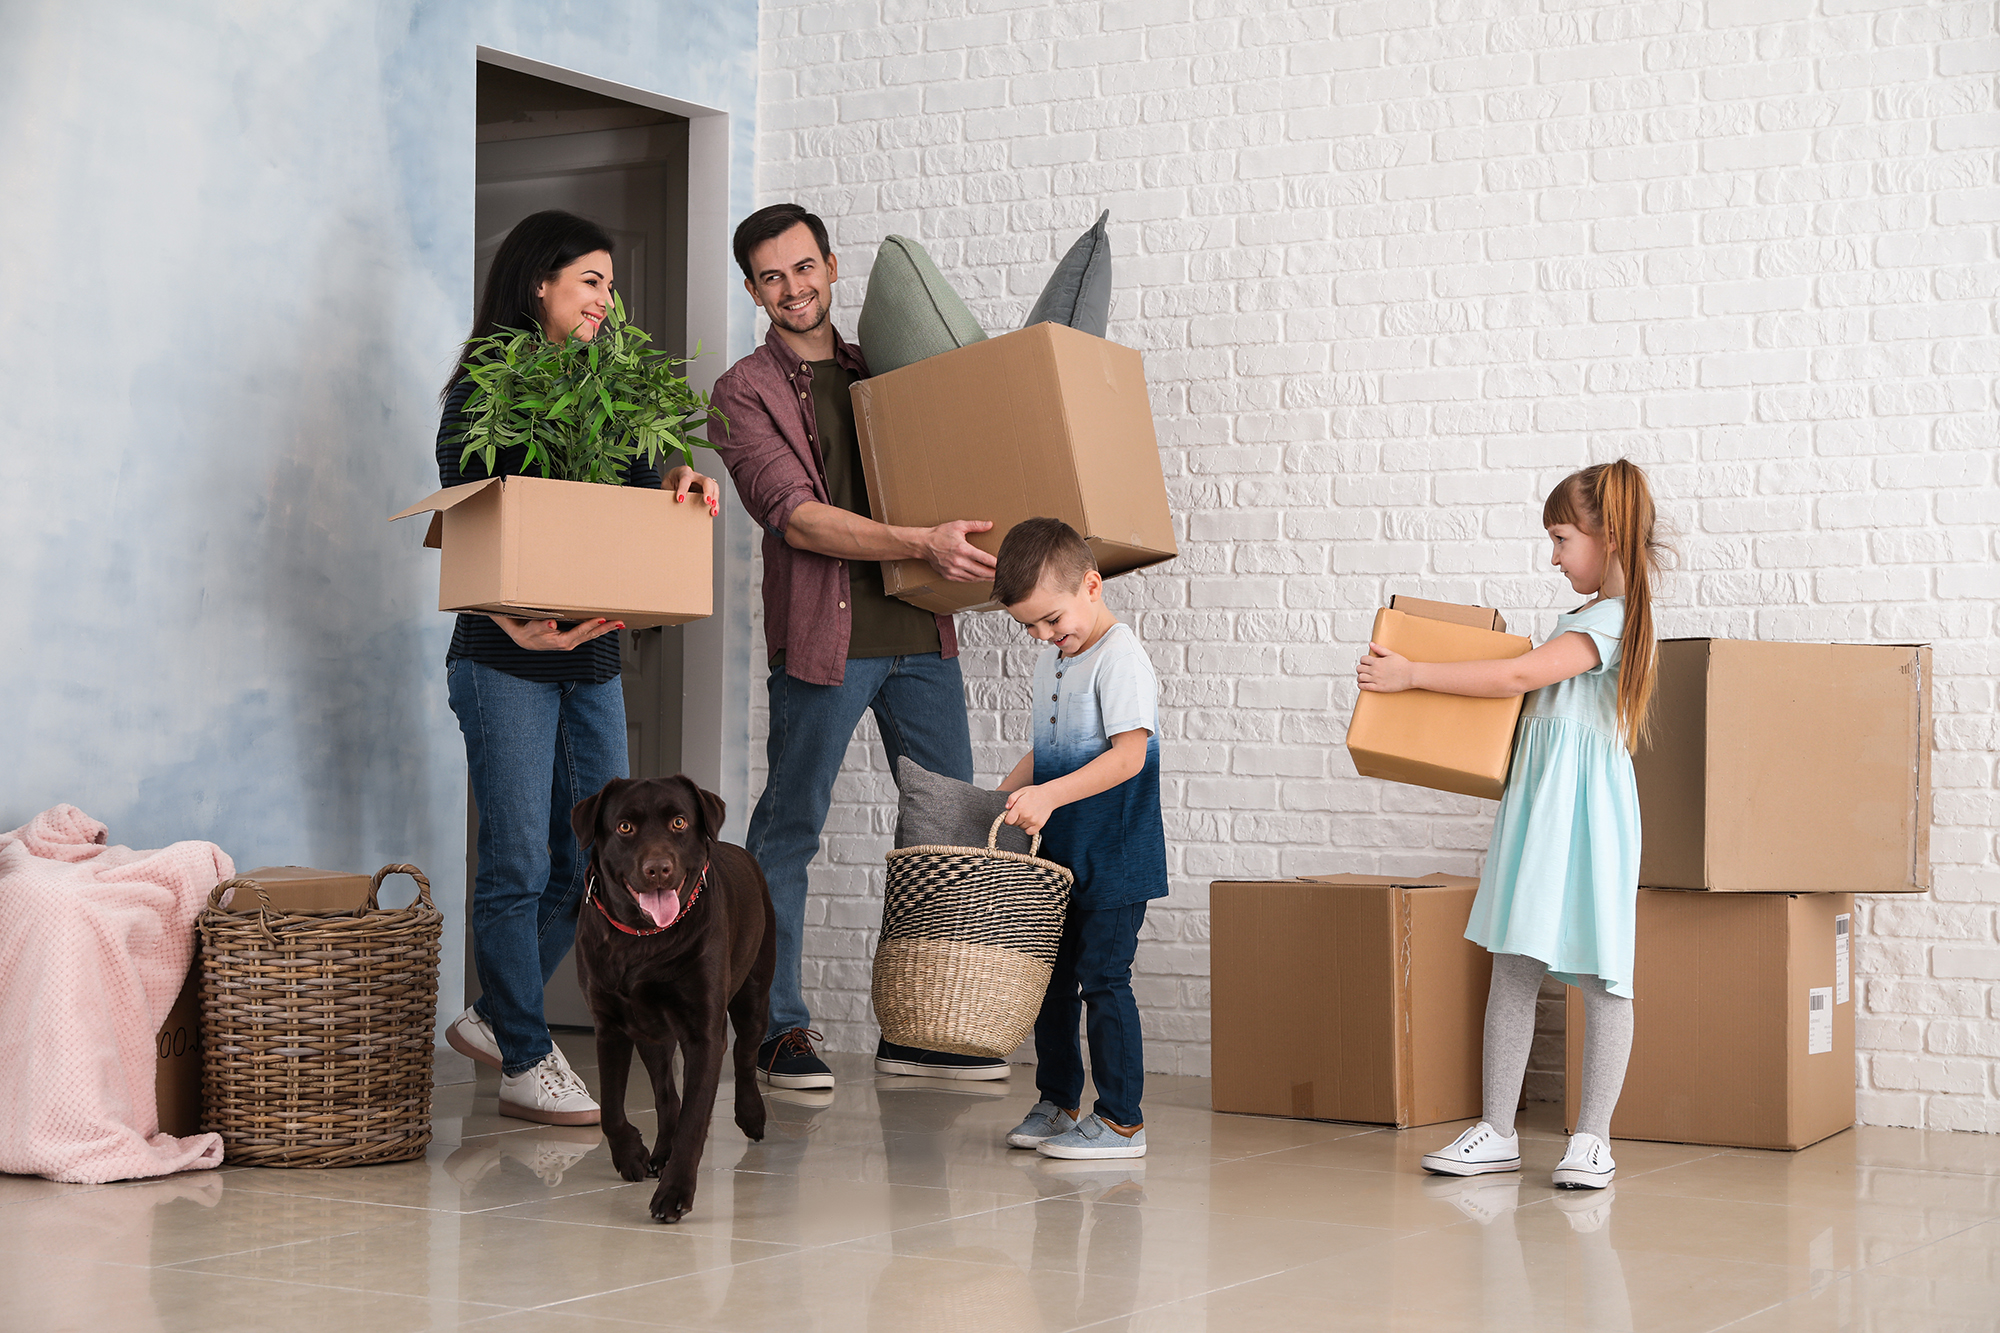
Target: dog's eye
{"x":626,"y":828}
{"x":680,"y":823}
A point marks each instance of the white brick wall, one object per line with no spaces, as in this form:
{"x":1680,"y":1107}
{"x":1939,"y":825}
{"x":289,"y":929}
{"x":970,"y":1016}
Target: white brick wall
{"x":1398,"y":265}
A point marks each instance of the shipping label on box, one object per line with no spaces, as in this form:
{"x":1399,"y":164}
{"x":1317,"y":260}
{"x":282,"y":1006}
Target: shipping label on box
{"x":565,"y":550}
{"x":1787,"y":767}
{"x":1446,"y":742}
{"x":1045,"y":422}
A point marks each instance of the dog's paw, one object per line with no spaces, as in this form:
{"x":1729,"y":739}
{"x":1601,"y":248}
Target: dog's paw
{"x":671,"y":1202}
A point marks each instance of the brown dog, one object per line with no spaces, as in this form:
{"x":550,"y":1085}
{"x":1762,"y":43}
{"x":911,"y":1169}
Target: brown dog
{"x":675,"y":941}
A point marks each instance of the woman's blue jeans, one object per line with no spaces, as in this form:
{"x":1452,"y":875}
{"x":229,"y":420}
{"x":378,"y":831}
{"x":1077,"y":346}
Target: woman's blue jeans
{"x":919,"y":706}
{"x":534,"y":751}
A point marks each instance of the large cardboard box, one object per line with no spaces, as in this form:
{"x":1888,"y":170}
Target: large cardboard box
{"x":1743,"y":1025}
{"x":1046,"y":422}
{"x":1447,"y":742}
{"x":566,"y":550}
{"x":177,"y":1075}
{"x":1787,"y":767}
{"x":1347,"y":997}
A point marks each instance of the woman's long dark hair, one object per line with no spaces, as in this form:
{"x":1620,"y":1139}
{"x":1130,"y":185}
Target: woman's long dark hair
{"x":540,"y":246}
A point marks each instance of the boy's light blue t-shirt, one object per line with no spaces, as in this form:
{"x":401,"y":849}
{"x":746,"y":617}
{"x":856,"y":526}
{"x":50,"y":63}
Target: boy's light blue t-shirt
{"x":1114,"y":841}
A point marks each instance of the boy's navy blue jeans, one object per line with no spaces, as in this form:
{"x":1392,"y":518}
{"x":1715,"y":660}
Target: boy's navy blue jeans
{"x":1093,"y":976}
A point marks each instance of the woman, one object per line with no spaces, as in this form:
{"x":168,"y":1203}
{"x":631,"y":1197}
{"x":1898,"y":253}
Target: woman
{"x":540,"y":705}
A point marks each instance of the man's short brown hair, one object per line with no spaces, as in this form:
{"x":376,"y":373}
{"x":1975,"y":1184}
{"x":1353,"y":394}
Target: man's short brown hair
{"x":1037,"y":550}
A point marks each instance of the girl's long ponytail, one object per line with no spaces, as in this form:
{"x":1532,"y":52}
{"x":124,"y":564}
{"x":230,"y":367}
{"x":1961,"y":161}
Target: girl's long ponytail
{"x":1614,"y":501}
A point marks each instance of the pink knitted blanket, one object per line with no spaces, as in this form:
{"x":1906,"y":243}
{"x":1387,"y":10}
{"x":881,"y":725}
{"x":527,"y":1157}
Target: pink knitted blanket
{"x":95,"y":942}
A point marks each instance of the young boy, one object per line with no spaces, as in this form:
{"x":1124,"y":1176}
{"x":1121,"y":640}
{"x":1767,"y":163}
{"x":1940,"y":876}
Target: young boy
{"x":1091,"y":788}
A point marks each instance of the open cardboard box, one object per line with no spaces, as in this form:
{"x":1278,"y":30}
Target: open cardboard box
{"x":177,"y":1075}
{"x":1787,"y":767}
{"x":565,"y":550}
{"x":1347,"y":997}
{"x":1045,"y":422}
{"x":1743,"y":1025}
{"x":1446,"y":742}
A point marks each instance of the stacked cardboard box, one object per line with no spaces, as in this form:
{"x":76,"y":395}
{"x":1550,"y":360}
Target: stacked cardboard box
{"x":1347,"y":997}
{"x":1780,"y":780}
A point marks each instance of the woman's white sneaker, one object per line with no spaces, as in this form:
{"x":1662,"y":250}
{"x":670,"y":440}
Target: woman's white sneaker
{"x":1587,"y":1165}
{"x":1479,"y":1151}
{"x":549,"y":1094}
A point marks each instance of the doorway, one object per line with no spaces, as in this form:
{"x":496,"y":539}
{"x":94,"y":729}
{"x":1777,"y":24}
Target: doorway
{"x":546,"y":144}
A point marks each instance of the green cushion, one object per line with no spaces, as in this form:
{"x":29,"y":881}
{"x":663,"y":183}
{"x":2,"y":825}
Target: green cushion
{"x":1079,"y":291}
{"x":910,"y":313}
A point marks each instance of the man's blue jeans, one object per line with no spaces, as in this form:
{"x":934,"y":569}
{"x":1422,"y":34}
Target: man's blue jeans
{"x":534,"y":751}
{"x":919,"y":706}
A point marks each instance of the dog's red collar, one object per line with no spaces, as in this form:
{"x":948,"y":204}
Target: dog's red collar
{"x":590,"y":896}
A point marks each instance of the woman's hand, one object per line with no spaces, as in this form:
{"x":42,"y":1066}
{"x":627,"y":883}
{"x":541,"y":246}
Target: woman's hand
{"x":684,"y":479}
{"x":541,"y":636}
{"x":1029,"y":808}
{"x":1384,"y":672}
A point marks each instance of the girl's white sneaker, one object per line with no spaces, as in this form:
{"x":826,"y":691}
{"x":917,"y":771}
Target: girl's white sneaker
{"x":1479,"y":1151}
{"x":1587,"y":1165}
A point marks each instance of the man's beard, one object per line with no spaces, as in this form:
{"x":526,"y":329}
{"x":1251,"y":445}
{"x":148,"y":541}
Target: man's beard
{"x":784,"y":321}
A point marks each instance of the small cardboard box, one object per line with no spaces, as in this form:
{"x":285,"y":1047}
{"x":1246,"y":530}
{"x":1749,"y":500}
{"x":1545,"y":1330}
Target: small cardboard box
{"x":1787,"y":767}
{"x":1743,"y":1025}
{"x":1447,"y":742}
{"x":566,"y":550}
{"x":1044,"y":422}
{"x":1347,"y":997}
{"x":177,"y":1076}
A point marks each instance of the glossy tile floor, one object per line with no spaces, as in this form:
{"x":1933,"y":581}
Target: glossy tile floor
{"x":892,"y":1205}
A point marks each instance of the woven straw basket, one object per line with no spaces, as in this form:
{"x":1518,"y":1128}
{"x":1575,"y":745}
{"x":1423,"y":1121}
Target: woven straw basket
{"x":317,"y":1028}
{"x":969,"y":939}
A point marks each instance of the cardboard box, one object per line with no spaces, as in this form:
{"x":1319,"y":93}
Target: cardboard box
{"x":1043,"y":422}
{"x":566,"y":550}
{"x":1347,"y":997}
{"x":302,"y":889}
{"x":177,"y":1072}
{"x":1447,"y":742}
{"x":1743,"y":1025}
{"x":1787,"y":767}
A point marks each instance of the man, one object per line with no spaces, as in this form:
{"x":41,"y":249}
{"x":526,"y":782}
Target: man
{"x":839,"y":645}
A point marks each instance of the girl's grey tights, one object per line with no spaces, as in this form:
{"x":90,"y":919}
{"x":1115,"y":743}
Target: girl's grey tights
{"x":1510,"y":1032}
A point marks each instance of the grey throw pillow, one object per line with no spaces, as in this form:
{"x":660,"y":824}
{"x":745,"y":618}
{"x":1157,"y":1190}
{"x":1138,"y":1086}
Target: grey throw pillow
{"x":910,"y":312}
{"x":937,"y":811}
{"x":1079,"y":291}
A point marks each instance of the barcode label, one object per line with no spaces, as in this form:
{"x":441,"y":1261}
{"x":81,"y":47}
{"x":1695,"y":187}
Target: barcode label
{"x":1819,"y":1021}
{"x":1842,"y":964}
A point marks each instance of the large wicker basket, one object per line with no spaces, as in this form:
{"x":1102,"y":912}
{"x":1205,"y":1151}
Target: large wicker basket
{"x":969,"y":939}
{"x":317,"y":1028}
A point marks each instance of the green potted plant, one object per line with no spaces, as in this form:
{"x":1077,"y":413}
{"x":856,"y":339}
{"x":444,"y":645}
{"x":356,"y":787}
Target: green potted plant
{"x":582,"y":411}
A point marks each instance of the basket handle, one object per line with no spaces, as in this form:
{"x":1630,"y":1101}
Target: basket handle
{"x":423,"y":886}
{"x":993,"y":837}
{"x":216,"y":895}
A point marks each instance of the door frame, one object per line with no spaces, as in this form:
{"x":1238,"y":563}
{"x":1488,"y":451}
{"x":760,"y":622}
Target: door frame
{"x":715,"y":700}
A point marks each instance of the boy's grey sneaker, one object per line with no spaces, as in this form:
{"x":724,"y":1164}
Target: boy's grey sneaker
{"x":1044,"y":1122}
{"x":1093,"y":1138}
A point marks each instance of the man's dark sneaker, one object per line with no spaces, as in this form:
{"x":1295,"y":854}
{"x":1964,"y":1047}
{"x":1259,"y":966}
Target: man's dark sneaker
{"x":893,"y":1059}
{"x":787,"y":1061}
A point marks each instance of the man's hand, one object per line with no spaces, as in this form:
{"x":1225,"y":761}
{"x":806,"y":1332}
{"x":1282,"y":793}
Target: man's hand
{"x":948,"y":552}
{"x":1383,"y":672}
{"x":541,"y":636}
{"x":1029,"y":809}
{"x":684,"y":479}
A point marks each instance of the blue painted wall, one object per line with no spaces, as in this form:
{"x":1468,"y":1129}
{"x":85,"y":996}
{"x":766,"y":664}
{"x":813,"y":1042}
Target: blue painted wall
{"x":235,"y":261}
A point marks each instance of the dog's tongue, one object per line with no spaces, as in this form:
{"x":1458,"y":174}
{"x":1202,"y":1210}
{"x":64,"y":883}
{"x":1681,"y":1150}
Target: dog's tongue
{"x":662,"y":907}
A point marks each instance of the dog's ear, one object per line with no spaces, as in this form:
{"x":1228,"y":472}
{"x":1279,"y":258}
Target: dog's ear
{"x":583,"y":815}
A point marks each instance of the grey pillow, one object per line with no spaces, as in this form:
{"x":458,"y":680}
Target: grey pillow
{"x":1079,"y":291}
{"x":937,"y":811}
{"x":910,"y":312}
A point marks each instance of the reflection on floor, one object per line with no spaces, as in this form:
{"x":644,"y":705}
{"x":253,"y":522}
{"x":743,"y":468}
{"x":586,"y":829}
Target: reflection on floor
{"x":891,"y":1204}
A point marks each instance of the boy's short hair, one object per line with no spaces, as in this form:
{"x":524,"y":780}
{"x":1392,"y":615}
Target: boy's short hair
{"x":1038,"y":549}
{"x":771,"y":222}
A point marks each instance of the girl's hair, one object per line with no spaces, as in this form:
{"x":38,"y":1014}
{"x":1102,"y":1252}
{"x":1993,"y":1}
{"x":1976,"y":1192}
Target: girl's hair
{"x":1612,"y":501}
{"x":540,"y":246}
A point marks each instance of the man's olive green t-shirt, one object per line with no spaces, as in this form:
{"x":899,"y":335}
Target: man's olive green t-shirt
{"x":883,"y":626}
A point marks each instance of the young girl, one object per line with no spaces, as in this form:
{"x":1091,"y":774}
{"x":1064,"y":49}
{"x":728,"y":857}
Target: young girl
{"x":1559,"y":891}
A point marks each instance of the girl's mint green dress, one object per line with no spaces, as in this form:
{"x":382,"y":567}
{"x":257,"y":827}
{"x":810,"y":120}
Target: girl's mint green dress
{"x":1561,"y":882}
